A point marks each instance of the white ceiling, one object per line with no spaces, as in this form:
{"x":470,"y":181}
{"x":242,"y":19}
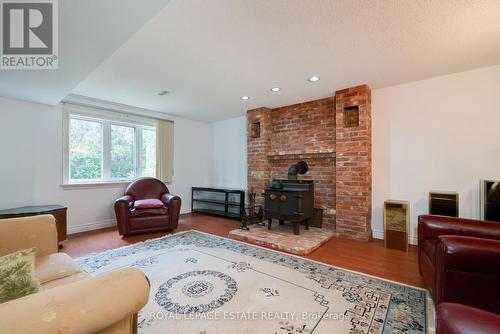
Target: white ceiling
{"x":89,"y":32}
{"x":209,"y":53}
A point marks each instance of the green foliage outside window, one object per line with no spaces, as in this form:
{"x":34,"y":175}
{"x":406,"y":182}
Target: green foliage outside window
{"x":85,"y":142}
{"x":86,"y":159}
{"x":122,"y":152}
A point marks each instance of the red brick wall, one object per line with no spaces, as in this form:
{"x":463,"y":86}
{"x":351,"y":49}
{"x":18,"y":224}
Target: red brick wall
{"x":304,"y":131}
{"x":353,"y":168}
{"x":305,"y":127}
{"x":339,"y":158}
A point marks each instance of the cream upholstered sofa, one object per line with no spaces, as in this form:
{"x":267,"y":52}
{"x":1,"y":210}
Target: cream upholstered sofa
{"x":69,"y":300}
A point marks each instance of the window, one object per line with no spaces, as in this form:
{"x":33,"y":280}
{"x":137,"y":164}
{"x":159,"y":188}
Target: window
{"x":148,"y":152}
{"x":104,"y":146}
{"x":123,"y":152}
{"x":107,"y":149}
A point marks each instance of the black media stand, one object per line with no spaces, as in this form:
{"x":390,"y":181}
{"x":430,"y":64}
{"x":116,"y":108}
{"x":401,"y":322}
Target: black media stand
{"x":228,"y":203}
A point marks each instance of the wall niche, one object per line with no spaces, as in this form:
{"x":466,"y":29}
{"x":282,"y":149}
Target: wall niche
{"x":351,"y":117}
{"x":255,"y":130}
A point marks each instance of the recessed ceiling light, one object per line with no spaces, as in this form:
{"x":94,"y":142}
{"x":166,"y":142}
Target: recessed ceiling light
{"x":244,"y":97}
{"x":314,"y":78}
{"x":275,"y":89}
{"x":163,"y":92}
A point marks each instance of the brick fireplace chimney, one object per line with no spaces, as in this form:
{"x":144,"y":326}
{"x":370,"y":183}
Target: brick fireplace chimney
{"x":334,"y":136}
{"x":258,"y":146}
{"x":353,"y":162}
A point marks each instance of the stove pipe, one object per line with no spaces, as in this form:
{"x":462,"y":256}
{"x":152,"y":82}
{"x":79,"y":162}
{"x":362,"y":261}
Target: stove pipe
{"x":300,"y":167}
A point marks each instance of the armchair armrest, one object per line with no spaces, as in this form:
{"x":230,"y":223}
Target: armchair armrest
{"x":168,"y":198}
{"x":125,"y":200}
{"x":461,"y":319}
{"x":88,"y":306}
{"x":468,"y":254}
{"x":26,"y":232}
{"x":468,"y":271}
{"x":122,"y":206}
{"x":431,"y":227}
{"x":173,"y":203}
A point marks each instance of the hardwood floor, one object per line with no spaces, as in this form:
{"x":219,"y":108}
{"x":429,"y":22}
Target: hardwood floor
{"x":367,"y":257}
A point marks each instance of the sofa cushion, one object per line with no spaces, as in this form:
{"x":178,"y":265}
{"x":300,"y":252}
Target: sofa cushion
{"x":55,"y":266}
{"x":17,"y":275}
{"x":150,"y":203}
{"x":148,"y":212}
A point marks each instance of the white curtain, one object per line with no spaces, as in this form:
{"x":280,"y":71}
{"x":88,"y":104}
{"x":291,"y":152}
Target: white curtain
{"x":164,"y":150}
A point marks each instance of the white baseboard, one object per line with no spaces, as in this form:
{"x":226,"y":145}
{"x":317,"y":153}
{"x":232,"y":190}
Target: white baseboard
{"x":91,"y":226}
{"x":104,"y":224}
{"x":378,"y":235}
{"x":412,"y":240}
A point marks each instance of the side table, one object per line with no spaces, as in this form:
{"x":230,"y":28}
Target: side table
{"x":58,"y":211}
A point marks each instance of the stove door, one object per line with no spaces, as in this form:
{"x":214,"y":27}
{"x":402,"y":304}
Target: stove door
{"x":272,"y":202}
{"x":290,"y":204}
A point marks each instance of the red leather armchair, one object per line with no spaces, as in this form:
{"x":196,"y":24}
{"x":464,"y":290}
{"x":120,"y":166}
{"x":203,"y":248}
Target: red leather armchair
{"x":461,"y":319}
{"x":459,"y":260}
{"x":135,"y":220}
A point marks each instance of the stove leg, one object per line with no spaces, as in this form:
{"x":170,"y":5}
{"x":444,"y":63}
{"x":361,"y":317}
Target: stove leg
{"x":282,"y":222}
{"x":307,"y":224}
{"x":269,"y":222}
{"x":296,"y":228}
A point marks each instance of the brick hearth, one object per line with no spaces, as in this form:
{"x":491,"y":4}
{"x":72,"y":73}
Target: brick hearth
{"x":337,"y":149}
{"x":283,"y":239}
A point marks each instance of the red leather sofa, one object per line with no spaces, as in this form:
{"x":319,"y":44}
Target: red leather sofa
{"x":159,"y":210}
{"x":461,"y":319}
{"x":459,"y":260}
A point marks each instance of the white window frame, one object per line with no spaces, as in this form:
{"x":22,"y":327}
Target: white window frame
{"x":107,"y":119}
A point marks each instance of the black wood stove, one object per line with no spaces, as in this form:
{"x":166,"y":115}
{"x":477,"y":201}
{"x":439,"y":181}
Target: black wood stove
{"x":290,"y":200}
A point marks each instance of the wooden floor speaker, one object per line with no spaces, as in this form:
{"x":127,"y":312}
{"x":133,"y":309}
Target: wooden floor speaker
{"x":396,"y":224}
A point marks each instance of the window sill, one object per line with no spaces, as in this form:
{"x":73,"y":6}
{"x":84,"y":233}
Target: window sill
{"x":94,"y":185}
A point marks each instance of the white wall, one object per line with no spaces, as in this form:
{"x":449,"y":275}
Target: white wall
{"x":229,"y":153}
{"x":31,"y":164}
{"x":437,"y":134}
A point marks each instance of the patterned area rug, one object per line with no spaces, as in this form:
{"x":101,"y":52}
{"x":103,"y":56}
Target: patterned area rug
{"x":206,"y":284}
